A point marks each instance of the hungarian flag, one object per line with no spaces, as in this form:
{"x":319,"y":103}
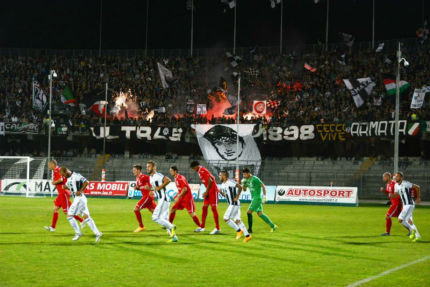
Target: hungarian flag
{"x":67,"y":97}
{"x":390,"y":86}
{"x":99,"y":108}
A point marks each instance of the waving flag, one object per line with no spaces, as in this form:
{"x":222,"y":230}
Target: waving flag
{"x":165,"y":75}
{"x":67,"y":97}
{"x":360,"y":89}
{"x":390,"y":86}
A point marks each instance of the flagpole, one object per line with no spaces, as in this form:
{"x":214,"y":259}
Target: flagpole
{"x":373,"y":24}
{"x":326,"y":26}
{"x":237,"y":129}
{"x":396,"y":115}
{"x":104,"y":129}
{"x":146,"y":28}
{"x":192,"y":27}
{"x":100,"y":30}
{"x":280,"y":36}
{"x":51,"y":73}
{"x":234,"y":29}
{"x":33,"y":90}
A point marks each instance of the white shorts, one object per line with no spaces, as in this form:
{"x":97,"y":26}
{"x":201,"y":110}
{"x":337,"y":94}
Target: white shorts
{"x":79,"y":206}
{"x":406,"y":213}
{"x":232,"y":212}
{"x":162,"y":210}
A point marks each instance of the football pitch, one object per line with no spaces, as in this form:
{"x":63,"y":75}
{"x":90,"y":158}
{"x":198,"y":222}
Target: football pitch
{"x":314,"y":246}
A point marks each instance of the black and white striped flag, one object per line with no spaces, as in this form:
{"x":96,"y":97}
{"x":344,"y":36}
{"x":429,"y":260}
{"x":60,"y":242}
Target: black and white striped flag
{"x":360,"y":89}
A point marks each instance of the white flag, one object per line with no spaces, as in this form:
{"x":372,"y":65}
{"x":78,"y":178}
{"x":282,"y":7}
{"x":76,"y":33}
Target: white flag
{"x":201,"y":109}
{"x":165,"y":75}
{"x":39,"y":97}
{"x":379,"y":48}
{"x":418,"y":98}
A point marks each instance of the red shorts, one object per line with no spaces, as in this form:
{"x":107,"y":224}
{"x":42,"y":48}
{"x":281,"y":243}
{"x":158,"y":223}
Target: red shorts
{"x":146,"y":202}
{"x":394,"y":210}
{"x":63,"y":201}
{"x":185,"y":204}
{"x":212,"y":199}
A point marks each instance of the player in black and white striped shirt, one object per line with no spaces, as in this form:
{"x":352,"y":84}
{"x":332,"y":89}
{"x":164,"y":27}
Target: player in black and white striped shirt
{"x":404,"y":189}
{"x":76,"y":183}
{"x":231,"y":191}
{"x":161,"y":212}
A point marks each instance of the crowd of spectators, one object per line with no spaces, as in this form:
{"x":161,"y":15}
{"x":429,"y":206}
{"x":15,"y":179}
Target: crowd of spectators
{"x":303,"y":96}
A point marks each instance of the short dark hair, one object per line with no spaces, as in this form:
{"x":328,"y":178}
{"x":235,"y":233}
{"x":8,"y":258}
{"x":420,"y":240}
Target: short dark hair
{"x":224,"y":172}
{"x":194,"y":163}
{"x":174,"y":167}
{"x":401,"y":173}
{"x":151,"y":162}
{"x":246,"y":170}
{"x":137,"y":166}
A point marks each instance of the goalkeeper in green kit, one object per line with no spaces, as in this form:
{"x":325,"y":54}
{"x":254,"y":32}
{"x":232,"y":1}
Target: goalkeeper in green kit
{"x":255,"y":185}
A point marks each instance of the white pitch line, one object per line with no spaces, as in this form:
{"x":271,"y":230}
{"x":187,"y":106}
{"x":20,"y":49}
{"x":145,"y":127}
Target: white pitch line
{"x":358,"y":283}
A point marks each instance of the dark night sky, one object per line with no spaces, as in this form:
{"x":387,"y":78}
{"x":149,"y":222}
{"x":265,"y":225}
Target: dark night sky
{"x":75,"y":24}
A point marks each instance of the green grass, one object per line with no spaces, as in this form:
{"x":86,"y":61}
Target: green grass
{"x":315,"y":246}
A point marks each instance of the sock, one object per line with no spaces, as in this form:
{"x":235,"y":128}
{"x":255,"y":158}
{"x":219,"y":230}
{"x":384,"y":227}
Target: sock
{"x":92,"y":225}
{"x":196,"y":220}
{"x":243,"y":228}
{"x":172,"y":216}
{"x":164,"y":223}
{"x":204,"y":215}
{"x":233,"y":225}
{"x":74,"y":224}
{"x":139,"y":218}
{"x":417,"y":234}
{"x":216,"y":216}
{"x":78,"y":218}
{"x":388,"y":224}
{"x":249,"y":222}
{"x":267,"y":220}
{"x":407,"y":225}
{"x":54,"y":219}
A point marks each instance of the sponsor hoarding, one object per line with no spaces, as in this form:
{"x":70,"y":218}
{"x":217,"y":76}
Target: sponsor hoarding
{"x":317,"y":195}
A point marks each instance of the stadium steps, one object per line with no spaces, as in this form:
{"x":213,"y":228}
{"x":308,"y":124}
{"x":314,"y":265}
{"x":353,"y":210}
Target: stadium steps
{"x":101,"y":161}
{"x":40,"y":169}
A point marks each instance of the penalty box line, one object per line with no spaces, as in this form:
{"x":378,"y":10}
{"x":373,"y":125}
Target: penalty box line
{"x":358,"y":283}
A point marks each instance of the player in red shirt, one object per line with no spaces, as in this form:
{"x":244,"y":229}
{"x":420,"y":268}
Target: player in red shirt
{"x":210,"y":196}
{"x":147,"y":201}
{"x":184,"y":198}
{"x":63,"y":197}
{"x":396,"y":203}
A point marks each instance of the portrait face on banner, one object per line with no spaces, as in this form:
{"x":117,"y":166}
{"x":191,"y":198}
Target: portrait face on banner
{"x":224,"y":140}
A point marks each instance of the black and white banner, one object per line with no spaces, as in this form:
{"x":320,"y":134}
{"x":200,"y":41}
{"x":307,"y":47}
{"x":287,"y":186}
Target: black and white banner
{"x":360,"y":89}
{"x":20,"y":128}
{"x":377,"y":128}
{"x":218,"y":144}
{"x":147,"y":133}
{"x":2,"y":130}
